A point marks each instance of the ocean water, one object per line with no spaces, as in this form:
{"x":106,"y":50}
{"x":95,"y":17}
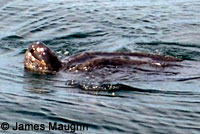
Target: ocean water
{"x":149,"y":100}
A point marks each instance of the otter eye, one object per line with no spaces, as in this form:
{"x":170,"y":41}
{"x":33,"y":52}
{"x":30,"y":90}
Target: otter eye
{"x":32,"y":51}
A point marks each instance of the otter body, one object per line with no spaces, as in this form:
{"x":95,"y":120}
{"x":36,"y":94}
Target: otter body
{"x":40,"y":58}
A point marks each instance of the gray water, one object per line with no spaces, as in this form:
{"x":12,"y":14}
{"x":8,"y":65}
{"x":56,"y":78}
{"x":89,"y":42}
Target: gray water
{"x":161,"y":103}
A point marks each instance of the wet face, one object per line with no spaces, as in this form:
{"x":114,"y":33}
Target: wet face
{"x":40,"y":58}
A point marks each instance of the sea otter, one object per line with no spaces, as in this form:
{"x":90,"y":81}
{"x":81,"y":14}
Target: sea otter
{"x":41,"y":59}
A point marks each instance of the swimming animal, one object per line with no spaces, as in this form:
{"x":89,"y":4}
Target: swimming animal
{"x":40,"y":58}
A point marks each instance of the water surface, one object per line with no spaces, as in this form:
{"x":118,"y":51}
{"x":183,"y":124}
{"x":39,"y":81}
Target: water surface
{"x":161,"y":103}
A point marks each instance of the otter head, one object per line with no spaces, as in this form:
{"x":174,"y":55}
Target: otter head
{"x":40,"y":58}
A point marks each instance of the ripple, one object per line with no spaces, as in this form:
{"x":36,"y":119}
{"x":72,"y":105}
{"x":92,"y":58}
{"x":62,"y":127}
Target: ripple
{"x":181,"y":50}
{"x":83,"y":35}
{"x":12,"y":37}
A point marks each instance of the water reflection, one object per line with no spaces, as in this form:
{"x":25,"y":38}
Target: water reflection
{"x":38,"y":83}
